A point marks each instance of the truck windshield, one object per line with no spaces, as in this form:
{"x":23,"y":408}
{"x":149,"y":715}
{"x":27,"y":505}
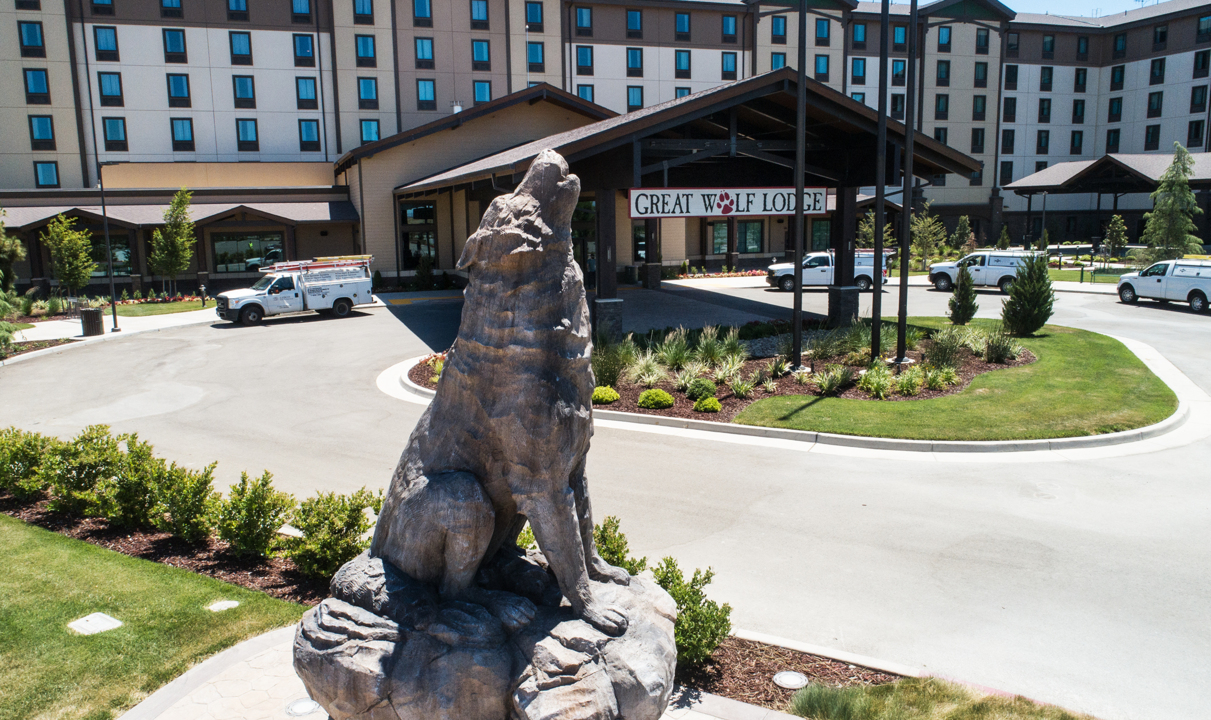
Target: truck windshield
{"x":264,"y":283}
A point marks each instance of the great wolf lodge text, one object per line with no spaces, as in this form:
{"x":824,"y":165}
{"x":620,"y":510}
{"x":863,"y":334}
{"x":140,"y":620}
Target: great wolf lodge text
{"x":711,"y":202}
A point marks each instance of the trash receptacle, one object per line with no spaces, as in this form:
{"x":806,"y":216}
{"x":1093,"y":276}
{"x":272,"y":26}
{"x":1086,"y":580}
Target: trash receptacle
{"x":93,"y":321}
{"x":630,"y":274}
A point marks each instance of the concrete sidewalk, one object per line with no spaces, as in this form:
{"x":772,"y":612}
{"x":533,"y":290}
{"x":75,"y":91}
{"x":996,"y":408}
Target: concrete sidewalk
{"x":59,"y":329}
{"x":893,"y":281}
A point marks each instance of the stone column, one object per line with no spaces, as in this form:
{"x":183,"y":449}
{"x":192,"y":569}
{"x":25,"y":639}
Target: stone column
{"x":842,"y":295}
{"x":733,"y":255}
{"x":652,"y":256}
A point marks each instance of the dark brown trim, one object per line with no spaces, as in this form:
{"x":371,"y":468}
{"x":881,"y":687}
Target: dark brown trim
{"x":78,"y":106}
{"x":399,"y":111}
{"x":335,"y":89}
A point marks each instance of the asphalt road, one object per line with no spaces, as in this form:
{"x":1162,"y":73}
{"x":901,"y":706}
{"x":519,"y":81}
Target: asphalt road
{"x":1083,"y":583}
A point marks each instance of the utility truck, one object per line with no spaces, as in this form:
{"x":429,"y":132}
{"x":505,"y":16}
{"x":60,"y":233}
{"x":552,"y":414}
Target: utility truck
{"x":818,"y":270}
{"x":988,"y":268}
{"x":327,"y":285}
{"x":1180,"y":280}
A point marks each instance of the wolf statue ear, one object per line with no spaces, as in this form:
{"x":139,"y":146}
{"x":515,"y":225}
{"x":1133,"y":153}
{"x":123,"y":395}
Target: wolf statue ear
{"x":470,"y":253}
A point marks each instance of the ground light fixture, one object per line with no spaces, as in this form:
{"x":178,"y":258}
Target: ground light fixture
{"x":790,"y":680}
{"x":302,"y":707}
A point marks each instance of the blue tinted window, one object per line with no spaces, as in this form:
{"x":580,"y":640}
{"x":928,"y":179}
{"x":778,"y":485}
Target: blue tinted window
{"x":107,"y":39}
{"x":35,"y":82}
{"x":115,"y":129}
{"x":302,"y":46}
{"x":178,"y":86}
{"x":533,"y":12}
{"x":634,"y":20}
{"x":111,"y":84}
{"x":425,"y":90}
{"x":41,"y":128}
{"x":821,"y":28}
{"x":306,"y":88}
{"x":479,"y":10}
{"x":585,"y":92}
{"x":47,"y":174}
{"x":584,"y":17}
{"x":635,"y":97}
{"x":479,"y":50}
{"x":483,"y":91}
{"x":779,"y":26}
{"x":822,"y":64}
{"x":309,"y":130}
{"x":534,"y":52}
{"x":634,"y":57}
{"x":681,"y":92}
{"x":421,"y":9}
{"x":182,"y":130}
{"x":244,"y":88}
{"x":584,"y":56}
{"x":729,"y":62}
{"x":424,"y":49}
{"x":365,"y":46}
{"x":729,"y":24}
{"x":174,"y":41}
{"x":777,"y":60}
{"x":683,"y":59}
{"x":860,"y":32}
{"x":899,"y":35}
{"x":237,"y":5}
{"x":301,"y":7}
{"x":170,"y":3}
{"x":246,"y":130}
{"x":31,"y":34}
{"x":369,"y":130}
{"x":683,"y":22}
{"x":241,"y":43}
{"x":367,"y":88}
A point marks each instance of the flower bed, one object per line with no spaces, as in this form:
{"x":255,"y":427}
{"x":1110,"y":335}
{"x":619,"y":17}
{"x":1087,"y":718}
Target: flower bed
{"x":28,"y":346}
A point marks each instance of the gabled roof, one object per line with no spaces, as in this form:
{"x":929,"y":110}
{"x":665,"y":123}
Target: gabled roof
{"x":542,"y":92}
{"x":1122,"y":172}
{"x":134,"y":216}
{"x":814,"y":4}
{"x":967,"y":8}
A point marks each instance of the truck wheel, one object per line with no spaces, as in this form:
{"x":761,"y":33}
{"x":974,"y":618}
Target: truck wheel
{"x":341,"y":308}
{"x":1004,"y":284}
{"x":1127,"y":294}
{"x":863,"y":283}
{"x":251,"y":315}
{"x":1198,"y":302}
{"x":943,"y":283}
{"x":787,"y":283}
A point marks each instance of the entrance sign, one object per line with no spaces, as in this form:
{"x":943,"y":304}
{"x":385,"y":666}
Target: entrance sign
{"x":709,"y":202}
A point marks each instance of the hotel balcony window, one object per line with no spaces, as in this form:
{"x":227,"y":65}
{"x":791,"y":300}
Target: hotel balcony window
{"x":300,"y":11}
{"x":1120,"y":46}
{"x":1112,"y":140}
{"x":1011,"y":110}
{"x":482,"y":90}
{"x":422,"y":13}
{"x":584,"y":22}
{"x":46,"y":174}
{"x":1044,"y":110}
{"x":823,"y":32}
{"x":777,"y":60}
{"x":979,"y":107}
{"x":102,"y":7}
{"x":1156,"y":102}
{"x":681,"y":27}
{"x":899,"y":38}
{"x":244,"y":91}
{"x":944,"y":39}
{"x":584,"y":60}
{"x":1006,"y":172}
{"x":941,"y":107}
{"x":182,"y":134}
{"x":682,"y":68}
{"x":424,"y":53}
{"x":237,"y":10}
{"x":366,"y":56}
{"x":106,"y":39}
{"x":635,"y":24}
{"x":170,"y":9}
{"x":1082,"y":48}
{"x":1194,"y":134}
{"x":174,"y":46}
{"x":533,"y":17}
{"x":1202,"y":32}
{"x":1078,"y":112}
{"x":246,"y":135}
{"x":481,"y":56}
{"x":981,"y":75}
{"x":309,"y":135}
{"x":943,"y":73}
{"x":114,"y":130}
{"x":241,"y":48}
{"x":1048,"y":47}
{"x":822,"y":68}
{"x":859,"y":42}
{"x":1198,"y":99}
{"x":777,"y":30}
{"x":1042,"y":142}
{"x":585,"y":92}
{"x":940,"y":134}
{"x":1115,"y":112}
{"x":178,"y":91}
{"x":369,"y":131}
{"x":729,"y":66}
{"x":1160,"y":37}
{"x":1011,"y":77}
{"x":1117,"y":73}
{"x":536,"y":58}
{"x":41,"y":132}
{"x":858,"y":97}
{"x":1011,"y":44}
{"x":634,"y":98}
{"x":304,"y":88}
{"x":977,"y":178}
{"x":1202,"y":61}
{"x":1007,"y":137}
{"x":680,"y":92}
{"x":37,"y":87}
{"x":859,"y":71}
{"x":363,"y":11}
{"x":110,"y":86}
{"x":479,"y":15}
{"x":304,"y":51}
{"x":1078,"y":140}
{"x":1046,"y":76}
{"x":1080,"y":80}
{"x":1152,"y":137}
{"x":982,"y":35}
{"x":426,"y":95}
{"x":634,"y":62}
{"x":897,"y":106}
{"x":729,"y":29}
{"x":977,"y":141}
{"x":899,"y":70}
{"x":1156,"y":72}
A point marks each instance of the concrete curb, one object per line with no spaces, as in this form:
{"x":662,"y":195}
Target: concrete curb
{"x":838,"y":655}
{"x":81,"y":342}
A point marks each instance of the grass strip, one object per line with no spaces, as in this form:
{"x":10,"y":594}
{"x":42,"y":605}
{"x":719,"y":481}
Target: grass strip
{"x":918,"y":699}
{"x":157,"y":308}
{"x":1083,"y":384}
{"x":1089,"y":277}
{"x":48,"y":671}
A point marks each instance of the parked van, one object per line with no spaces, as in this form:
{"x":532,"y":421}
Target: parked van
{"x":1180,"y":280}
{"x":990,"y":268}
{"x":818,"y":270}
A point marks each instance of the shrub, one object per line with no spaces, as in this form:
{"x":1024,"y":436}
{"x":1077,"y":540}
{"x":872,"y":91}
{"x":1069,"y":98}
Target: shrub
{"x":73,"y":471}
{"x":709,"y":350}
{"x":963,"y":304}
{"x":822,"y":701}
{"x":128,"y":498}
{"x":613,"y":547}
{"x":21,"y":455}
{"x":609,"y":361}
{"x":700,"y":388}
{"x":803,"y":377}
{"x":252,"y":514}
{"x":525,"y":539}
{"x":945,"y":346}
{"x":1031,"y":299}
{"x":769,"y":385}
{"x":939,"y":378}
{"x":701,"y":623}
{"x":54,"y":305}
{"x":913,"y":337}
{"x":876,"y":381}
{"x":646,"y":370}
{"x":909,"y":381}
{"x":376,"y":280}
{"x":733,"y":346}
{"x":655,"y":399}
{"x":741,"y":388}
{"x":778,"y":367}
{"x":682,"y":380}
{"x":707,"y":405}
{"x":1000,"y":348}
{"x":834,"y":380}
{"x":674,"y":351}
{"x":334,"y":531}
{"x":729,"y":368}
{"x":858,"y":357}
{"x":186,"y":502}
{"x":27,"y":304}
{"x":604,"y":395}
{"x":138,"y":295}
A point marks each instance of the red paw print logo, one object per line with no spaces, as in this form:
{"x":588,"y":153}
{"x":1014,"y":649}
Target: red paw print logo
{"x":726,"y":204}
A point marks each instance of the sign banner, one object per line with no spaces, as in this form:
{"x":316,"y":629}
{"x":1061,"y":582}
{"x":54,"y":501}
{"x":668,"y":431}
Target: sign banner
{"x":712,"y":202}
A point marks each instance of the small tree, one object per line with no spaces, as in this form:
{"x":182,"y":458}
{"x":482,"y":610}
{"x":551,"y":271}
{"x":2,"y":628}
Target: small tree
{"x":172,"y":248}
{"x":1031,"y":298}
{"x":963,"y":304}
{"x":1003,"y":241}
{"x":12,"y":251}
{"x":866,"y":231}
{"x":1169,"y":228}
{"x":1116,"y":236}
{"x":927,"y":232}
{"x":1044,"y":242}
{"x":70,"y":252}
{"x":962,"y":234}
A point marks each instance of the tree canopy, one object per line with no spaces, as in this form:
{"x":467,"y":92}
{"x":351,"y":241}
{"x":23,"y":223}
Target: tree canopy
{"x":70,"y":252}
{"x":1169,"y":228}
{"x":172,"y":248}
{"x":12,"y":251}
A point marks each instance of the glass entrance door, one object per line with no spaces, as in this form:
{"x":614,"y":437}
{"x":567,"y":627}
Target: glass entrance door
{"x":584,"y":240}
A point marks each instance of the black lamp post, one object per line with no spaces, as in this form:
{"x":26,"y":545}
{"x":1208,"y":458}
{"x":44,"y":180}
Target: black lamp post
{"x":800,"y":153}
{"x":906,"y":198}
{"x":109,"y":254}
{"x":876,"y":300}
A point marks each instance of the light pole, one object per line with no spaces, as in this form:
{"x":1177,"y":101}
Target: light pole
{"x":109,"y":253}
{"x":876,"y":300}
{"x":906,"y":198}
{"x":1043,"y":232}
{"x":800,"y":152}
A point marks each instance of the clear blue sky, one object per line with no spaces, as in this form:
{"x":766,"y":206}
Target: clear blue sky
{"x":1066,"y":7}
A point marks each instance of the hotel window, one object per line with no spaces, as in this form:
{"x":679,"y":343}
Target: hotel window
{"x":1048,"y":47}
{"x":479,"y":15}
{"x":366,"y":56}
{"x":106,"y":39}
{"x":634,"y":97}
{"x":1040,"y":165}
{"x":363,"y":11}
{"x":1080,"y":80}
{"x":37,"y":88}
{"x":1078,"y":140}
{"x":1082,"y":48}
{"x":1194,"y":134}
{"x":777,"y":60}
{"x":941,"y":107}
{"x":1115,"y":113}
{"x":1203,"y":31}
{"x":1156,"y":101}
{"x":584,"y":22}
{"x":1198,"y":99}
{"x":859,"y":97}
{"x":1156,"y":72}
{"x":246,"y":135}
{"x":309,"y":135}
{"x":977,"y":141}
{"x":682,"y":64}
{"x":981,"y":75}
{"x":369,"y":131}
{"x":1006,"y":172}
{"x":170,"y":8}
{"x":1011,"y":44}
{"x":1117,"y":73}
{"x":977,"y":178}
{"x":1044,"y":110}
{"x":859,"y":36}
{"x":1112,"y":140}
{"x":979,"y":107}
{"x":823,"y":34}
{"x":748,"y":236}
{"x":534,"y":17}
{"x":241,"y":48}
{"x":681,"y":27}
{"x":941,"y":135}
{"x":1007,"y":137}
{"x":899,"y":38}
{"x":729,"y":66}
{"x":897,"y":106}
{"x":305,"y":93}
{"x":778,"y":30}
{"x":898,"y":70}
{"x":680,"y":92}
{"x":178,"y":91}
{"x":1046,"y":75}
{"x":1078,"y":112}
{"x":41,"y":132}
{"x":1042,"y":142}
{"x":102,"y":7}
{"x":46,"y":174}
{"x":859,"y":71}
{"x":1011,"y":77}
{"x":822,"y":68}
{"x":367,"y":93}
{"x":422,"y":13}
{"x":584,"y":60}
{"x":182,"y":134}
{"x":944,"y":39}
{"x":29,"y":4}
{"x":1202,"y":61}
{"x":110,"y":86}
{"x":304,"y":51}
{"x":943,"y":73}
{"x":482,"y":91}
{"x":300,"y":11}
{"x":426,"y":95}
{"x":1160,"y":37}
{"x":424,"y":53}
{"x":481,"y":56}
{"x":634,"y":62}
{"x":1152,"y":137}
{"x":233,"y":250}
{"x":174,"y":46}
{"x":585,"y":92}
{"x":237,"y":9}
{"x":634,"y":24}
{"x":729,"y":28}
{"x":1120,"y":46}
{"x":114,"y":130}
{"x":982,"y":41}
{"x":535,"y":59}
{"x":1011,"y":110}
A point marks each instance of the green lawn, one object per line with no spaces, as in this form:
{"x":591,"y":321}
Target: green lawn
{"x":1075,"y":275}
{"x":22,"y":326}
{"x":1082,"y":384}
{"x":49,"y":580}
{"x":145,"y":309}
{"x":918,"y":699}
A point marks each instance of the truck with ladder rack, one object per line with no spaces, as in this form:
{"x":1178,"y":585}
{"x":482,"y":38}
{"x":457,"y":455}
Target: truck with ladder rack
{"x":327,"y":285}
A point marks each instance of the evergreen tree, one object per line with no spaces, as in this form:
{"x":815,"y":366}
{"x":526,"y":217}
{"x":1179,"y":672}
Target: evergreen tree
{"x":1003,"y":241}
{"x":1044,"y":242}
{"x":12,"y":251}
{"x":172,"y":249}
{"x":866,"y":232}
{"x":927,"y":231}
{"x":963,"y":304}
{"x":962,"y":234}
{"x":70,"y":252}
{"x":1116,"y":236}
{"x":1169,"y":228}
{"x":1031,"y":298}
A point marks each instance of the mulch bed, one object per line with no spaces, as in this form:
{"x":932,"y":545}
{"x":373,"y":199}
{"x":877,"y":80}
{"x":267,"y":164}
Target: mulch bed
{"x":276,"y":577}
{"x":20,"y":348}
{"x":744,"y":670}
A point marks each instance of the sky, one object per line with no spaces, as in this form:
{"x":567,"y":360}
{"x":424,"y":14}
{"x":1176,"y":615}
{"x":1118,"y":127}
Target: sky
{"x":1094,"y":8}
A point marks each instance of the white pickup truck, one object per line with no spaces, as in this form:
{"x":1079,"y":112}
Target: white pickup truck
{"x":1180,"y":280}
{"x":990,"y":268}
{"x":818,"y":270}
{"x":327,"y":285}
